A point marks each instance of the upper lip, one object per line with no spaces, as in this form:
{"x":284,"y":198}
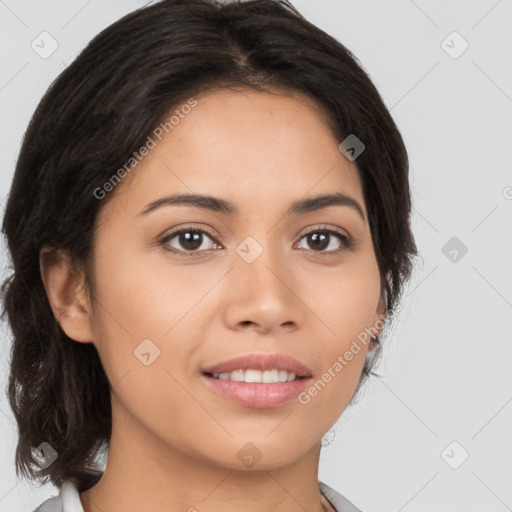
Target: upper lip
{"x":261,"y":362}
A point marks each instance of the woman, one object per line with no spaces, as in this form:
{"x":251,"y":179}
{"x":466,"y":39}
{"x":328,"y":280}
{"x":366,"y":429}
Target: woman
{"x":209,"y":228}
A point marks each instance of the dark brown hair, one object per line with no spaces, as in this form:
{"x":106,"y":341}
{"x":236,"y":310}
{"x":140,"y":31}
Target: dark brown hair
{"x":88,"y":124}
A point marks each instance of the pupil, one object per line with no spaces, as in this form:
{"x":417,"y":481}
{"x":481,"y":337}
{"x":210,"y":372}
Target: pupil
{"x":190,"y":240}
{"x":320,"y":240}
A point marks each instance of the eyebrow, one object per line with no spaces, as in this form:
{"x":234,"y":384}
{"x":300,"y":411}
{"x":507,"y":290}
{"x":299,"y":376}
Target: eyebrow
{"x":215,"y":204}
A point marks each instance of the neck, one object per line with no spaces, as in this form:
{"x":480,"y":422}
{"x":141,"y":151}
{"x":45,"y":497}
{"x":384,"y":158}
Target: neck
{"x":144,"y":473}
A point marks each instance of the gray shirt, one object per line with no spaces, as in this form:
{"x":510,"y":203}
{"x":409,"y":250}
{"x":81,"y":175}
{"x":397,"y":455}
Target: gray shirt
{"x":68,"y":499}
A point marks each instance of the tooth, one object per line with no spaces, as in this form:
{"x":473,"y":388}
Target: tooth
{"x":270,"y":376}
{"x":237,"y":375}
{"x":283,"y":375}
{"x":253,"y":376}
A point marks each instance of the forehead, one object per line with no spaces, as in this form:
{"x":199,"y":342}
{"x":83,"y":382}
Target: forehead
{"x":256,"y":148}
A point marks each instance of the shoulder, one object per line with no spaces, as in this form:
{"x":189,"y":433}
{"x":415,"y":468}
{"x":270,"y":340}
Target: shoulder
{"x":51,"y":505}
{"x":339,"y":502}
{"x":68,"y":499}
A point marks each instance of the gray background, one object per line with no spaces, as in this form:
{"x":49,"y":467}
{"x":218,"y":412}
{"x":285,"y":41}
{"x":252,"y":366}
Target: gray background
{"x":447,"y":365}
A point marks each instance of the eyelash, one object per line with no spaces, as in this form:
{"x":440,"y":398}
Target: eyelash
{"x":346,"y":241}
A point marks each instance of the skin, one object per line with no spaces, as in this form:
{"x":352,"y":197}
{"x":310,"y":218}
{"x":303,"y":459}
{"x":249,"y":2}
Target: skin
{"x":174,"y":442}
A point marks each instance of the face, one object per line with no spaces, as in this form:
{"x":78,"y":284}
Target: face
{"x":180,"y":288}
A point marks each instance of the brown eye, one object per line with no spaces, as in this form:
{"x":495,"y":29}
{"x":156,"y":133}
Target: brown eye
{"x":322,"y":239}
{"x":190,"y":240}
{"x":318,"y":241}
{"x":187,"y":241}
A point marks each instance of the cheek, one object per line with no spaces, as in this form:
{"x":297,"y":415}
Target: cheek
{"x":145,"y":297}
{"x":342,"y":355}
{"x":141,"y":312}
{"x":138,"y":334}
{"x":346,"y":302}
{"x":347,"y":312}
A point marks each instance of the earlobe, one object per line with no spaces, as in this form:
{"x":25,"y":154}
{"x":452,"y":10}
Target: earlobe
{"x":66,"y":294}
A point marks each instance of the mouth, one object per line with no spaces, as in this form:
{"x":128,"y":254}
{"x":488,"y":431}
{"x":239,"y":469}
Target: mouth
{"x":258,"y":380}
{"x":255,"y":376}
{"x":259,"y":367}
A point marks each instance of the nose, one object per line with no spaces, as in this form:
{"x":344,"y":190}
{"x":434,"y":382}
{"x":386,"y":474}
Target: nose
{"x":264,"y":295}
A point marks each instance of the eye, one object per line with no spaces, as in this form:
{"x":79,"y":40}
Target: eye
{"x":189,"y":241}
{"x":320,"y":239}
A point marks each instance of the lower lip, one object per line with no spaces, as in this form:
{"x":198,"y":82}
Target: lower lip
{"x":257,"y":394}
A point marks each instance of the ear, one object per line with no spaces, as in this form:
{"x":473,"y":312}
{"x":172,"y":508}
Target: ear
{"x":66,"y":293}
{"x":378,"y":322}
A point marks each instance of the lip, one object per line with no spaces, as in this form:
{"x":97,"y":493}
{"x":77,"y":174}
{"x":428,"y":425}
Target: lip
{"x":261,"y":362}
{"x":258,"y":394}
